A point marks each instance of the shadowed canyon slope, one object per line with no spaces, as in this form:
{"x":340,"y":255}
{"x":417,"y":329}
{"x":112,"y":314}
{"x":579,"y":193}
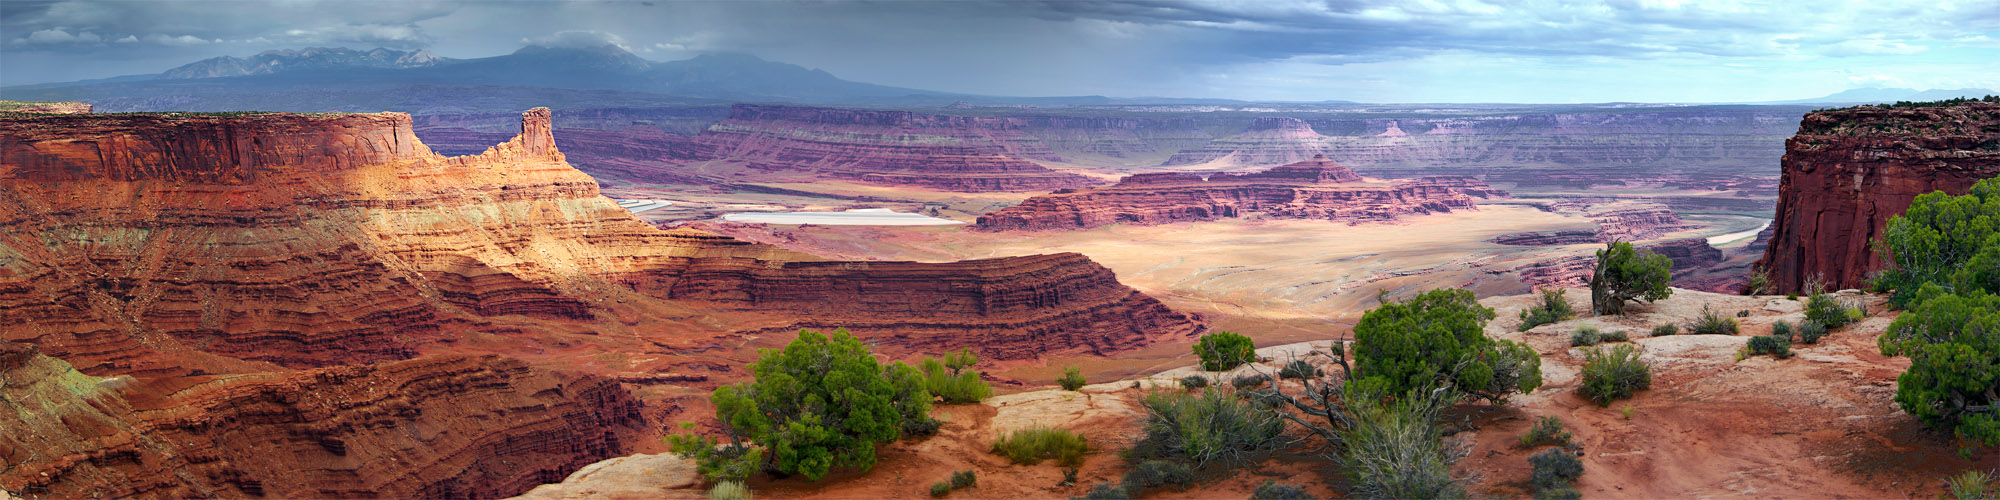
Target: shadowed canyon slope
{"x":1313,"y":189}
{"x":302,"y":281}
{"x":1849,"y":171}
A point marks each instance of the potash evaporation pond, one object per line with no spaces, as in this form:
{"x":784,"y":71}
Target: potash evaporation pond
{"x":855,"y":217}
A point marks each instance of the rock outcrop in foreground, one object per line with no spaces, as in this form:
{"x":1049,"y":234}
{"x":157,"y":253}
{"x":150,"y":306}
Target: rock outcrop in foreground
{"x":310,"y":306}
{"x":1314,"y":189}
{"x":1849,"y":171}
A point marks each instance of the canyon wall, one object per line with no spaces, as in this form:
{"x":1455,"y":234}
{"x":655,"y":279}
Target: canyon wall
{"x":329,"y":287}
{"x":1849,"y":171}
{"x":1313,"y":189}
{"x":900,"y":148}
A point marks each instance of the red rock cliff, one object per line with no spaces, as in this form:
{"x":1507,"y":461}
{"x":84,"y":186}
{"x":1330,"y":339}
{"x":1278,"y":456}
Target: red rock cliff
{"x":1312,"y":189}
{"x":1849,"y":171}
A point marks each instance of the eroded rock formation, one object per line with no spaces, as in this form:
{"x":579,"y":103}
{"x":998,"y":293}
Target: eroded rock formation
{"x":1268,"y":141}
{"x":954,"y":153}
{"x":1314,"y":189}
{"x":327,"y":286}
{"x":1849,"y":171}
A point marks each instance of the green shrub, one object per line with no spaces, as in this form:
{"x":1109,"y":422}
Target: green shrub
{"x":1613,"y":336}
{"x":1192,"y":382}
{"x":1271,"y":490}
{"x":1207,"y":427}
{"x":729,"y":490}
{"x":1072,"y":378}
{"x":1250,"y":381}
{"x":1783,"y":329}
{"x":959,"y":361}
{"x":1417,"y":345}
{"x":1773,"y":345}
{"x":954,"y":386}
{"x":940,"y":489}
{"x":1554,"y":468}
{"x":1973,"y":485}
{"x":1032,"y":445}
{"x":964,"y":479}
{"x":1830,"y":312}
{"x":1711,"y":323}
{"x":821,"y":402}
{"x":1611,"y":374}
{"x":1069,"y":476}
{"x":1153,"y":474}
{"x":1953,"y":341}
{"x":1298,"y":368}
{"x":1546,"y":430}
{"x":1810,"y":332}
{"x":718,"y":462}
{"x":1558,"y":493}
{"x":1944,"y":240}
{"x":1394,"y":450}
{"x":1585,"y":335}
{"x":1623,"y":275}
{"x":1224,"y":350}
{"x":1666,"y":330}
{"x":1106,"y":491}
{"x":1553,"y":308}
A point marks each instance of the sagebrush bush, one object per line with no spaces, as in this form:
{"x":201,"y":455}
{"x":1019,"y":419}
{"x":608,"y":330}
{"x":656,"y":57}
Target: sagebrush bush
{"x":1394,"y":450}
{"x":1192,"y":382}
{"x":964,"y":479}
{"x":1711,"y":323}
{"x":954,"y":386}
{"x":1272,"y":490}
{"x":1106,"y":491}
{"x":1773,"y":345}
{"x":1032,"y":445}
{"x":1783,"y":329}
{"x":729,"y":490}
{"x":1298,"y":368}
{"x":1546,"y":430}
{"x":1973,"y":485}
{"x":1250,"y":381}
{"x":1554,"y":468}
{"x":1072,"y":378}
{"x":1207,"y":427}
{"x":1666,"y":329}
{"x":1810,"y":332}
{"x":1153,"y":474}
{"x":1552,"y":308}
{"x":1558,"y":493}
{"x":1224,"y":350}
{"x":1830,"y":312}
{"x":940,"y":489}
{"x":1585,"y":335}
{"x":1612,"y":374}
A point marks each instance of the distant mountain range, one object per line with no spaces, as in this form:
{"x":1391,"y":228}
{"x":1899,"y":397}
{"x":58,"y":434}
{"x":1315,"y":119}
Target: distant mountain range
{"x":340,"y":79}
{"x":1875,"y":95}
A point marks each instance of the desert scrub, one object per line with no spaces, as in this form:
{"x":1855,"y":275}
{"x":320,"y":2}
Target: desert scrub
{"x":1711,"y":323}
{"x":1224,"y":350}
{"x":1666,"y":330}
{"x":1783,"y":329}
{"x":1585,"y":335}
{"x":1972,"y":485}
{"x":1553,"y":308}
{"x":1830,"y":312}
{"x":1547,"y":430}
{"x":964,"y":479}
{"x":1207,"y":427}
{"x":1072,"y":378}
{"x":1192,"y":382}
{"x":1032,"y":445}
{"x":940,"y":489}
{"x":1612,"y":374}
{"x":729,"y":490}
{"x":1106,"y":491}
{"x":1395,"y":450}
{"x":1773,"y":345}
{"x":1272,"y":490}
{"x":1810,"y":332}
{"x":1298,"y":368}
{"x":955,"y":386}
{"x":1555,"y":474}
{"x":1250,"y":381}
{"x":1152,"y":474}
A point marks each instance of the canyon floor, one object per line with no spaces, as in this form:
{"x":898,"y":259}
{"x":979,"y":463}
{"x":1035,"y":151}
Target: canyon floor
{"x":1821,"y":424}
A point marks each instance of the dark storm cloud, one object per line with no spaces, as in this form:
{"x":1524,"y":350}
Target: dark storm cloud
{"x":1179,"y":47}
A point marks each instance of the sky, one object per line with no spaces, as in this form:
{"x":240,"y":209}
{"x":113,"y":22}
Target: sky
{"x":1531,"y":51}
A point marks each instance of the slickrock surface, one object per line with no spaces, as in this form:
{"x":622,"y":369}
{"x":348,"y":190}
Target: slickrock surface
{"x":1314,"y":189}
{"x":1849,"y":171}
{"x":897,"y":148}
{"x":314,"y":284}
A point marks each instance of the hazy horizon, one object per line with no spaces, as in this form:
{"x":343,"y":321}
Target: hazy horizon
{"x":1415,"y":52}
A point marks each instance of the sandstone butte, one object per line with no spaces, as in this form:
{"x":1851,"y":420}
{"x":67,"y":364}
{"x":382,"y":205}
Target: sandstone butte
{"x":1849,"y":171}
{"x":286,"y":305}
{"x":894,"y":148}
{"x":1267,"y":141}
{"x":1313,"y":189}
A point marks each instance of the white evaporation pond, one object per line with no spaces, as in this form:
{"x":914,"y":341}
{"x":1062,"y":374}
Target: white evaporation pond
{"x":856,"y":217}
{"x":636,"y":206}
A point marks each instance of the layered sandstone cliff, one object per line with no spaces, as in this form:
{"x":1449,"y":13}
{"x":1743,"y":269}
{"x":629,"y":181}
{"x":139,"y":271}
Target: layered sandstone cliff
{"x":302,"y":292}
{"x":900,"y":148}
{"x":1849,"y":171}
{"x":52,"y":107}
{"x":1268,"y":141}
{"x":1314,"y":189}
